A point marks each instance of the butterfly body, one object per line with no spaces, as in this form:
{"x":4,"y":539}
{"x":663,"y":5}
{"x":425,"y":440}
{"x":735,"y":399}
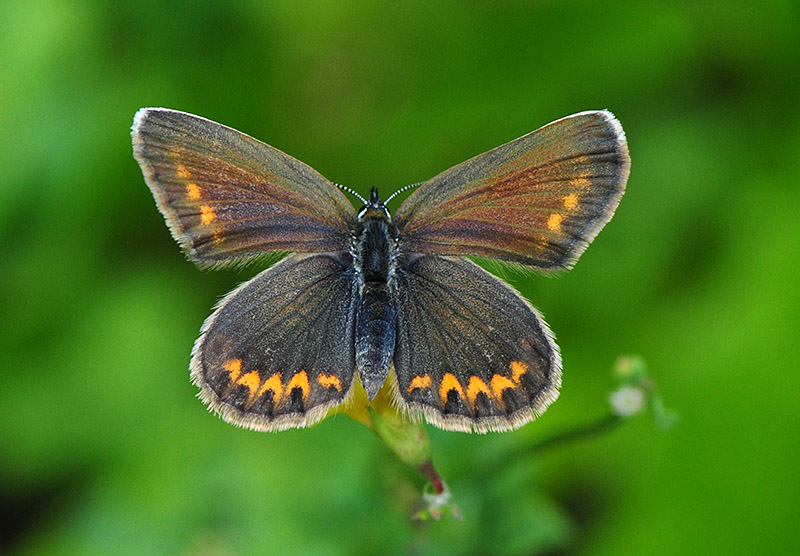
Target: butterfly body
{"x":375,"y":265}
{"x":367,"y":300}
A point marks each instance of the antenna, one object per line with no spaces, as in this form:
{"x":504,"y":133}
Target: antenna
{"x":351,"y":192}
{"x":406,"y":188}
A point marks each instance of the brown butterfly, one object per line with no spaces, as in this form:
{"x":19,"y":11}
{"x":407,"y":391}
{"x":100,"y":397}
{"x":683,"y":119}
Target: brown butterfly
{"x":365,"y":297}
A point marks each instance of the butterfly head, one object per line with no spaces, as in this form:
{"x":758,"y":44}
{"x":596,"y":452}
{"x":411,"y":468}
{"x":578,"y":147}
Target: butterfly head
{"x":374,"y":207}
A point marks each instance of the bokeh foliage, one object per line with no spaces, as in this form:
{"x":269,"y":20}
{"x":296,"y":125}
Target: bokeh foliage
{"x":103,"y":448}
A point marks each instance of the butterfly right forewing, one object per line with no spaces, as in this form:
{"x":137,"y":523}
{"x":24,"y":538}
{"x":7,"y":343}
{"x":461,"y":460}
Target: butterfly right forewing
{"x":538,"y":200}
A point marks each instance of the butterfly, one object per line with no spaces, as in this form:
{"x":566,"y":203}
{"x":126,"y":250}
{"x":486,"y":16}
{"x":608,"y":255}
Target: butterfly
{"x":364,"y":298}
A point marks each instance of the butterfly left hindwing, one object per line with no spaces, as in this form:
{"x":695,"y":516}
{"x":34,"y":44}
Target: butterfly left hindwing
{"x":278,"y":351}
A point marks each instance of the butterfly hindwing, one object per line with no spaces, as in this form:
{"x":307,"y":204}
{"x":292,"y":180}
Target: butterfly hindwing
{"x":471,"y":353}
{"x":227,"y":196}
{"x":538,"y":200}
{"x":278,"y":352}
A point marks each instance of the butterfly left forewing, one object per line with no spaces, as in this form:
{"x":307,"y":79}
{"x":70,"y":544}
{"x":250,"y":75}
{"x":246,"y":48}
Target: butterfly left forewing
{"x":227,"y":196}
{"x":538,"y":200}
{"x":471,"y":354}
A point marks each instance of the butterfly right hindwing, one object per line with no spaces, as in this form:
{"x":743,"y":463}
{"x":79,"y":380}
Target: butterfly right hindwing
{"x":471,"y":353}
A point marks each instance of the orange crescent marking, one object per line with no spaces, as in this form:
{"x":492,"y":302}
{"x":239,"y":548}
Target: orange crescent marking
{"x":234,"y":367}
{"x":272,"y":383}
{"x":500,"y":383}
{"x":299,"y":380}
{"x":327,"y":381}
{"x":475,"y":387}
{"x":419,"y":382}
{"x":518,"y":368}
{"x":252,"y":380}
{"x":450,"y":382}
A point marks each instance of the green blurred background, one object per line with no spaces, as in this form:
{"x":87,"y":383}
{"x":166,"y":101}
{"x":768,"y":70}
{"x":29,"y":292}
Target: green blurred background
{"x":104,"y":448}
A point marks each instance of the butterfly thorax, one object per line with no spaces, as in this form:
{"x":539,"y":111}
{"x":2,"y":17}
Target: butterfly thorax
{"x":375,"y":312}
{"x":375,"y":244}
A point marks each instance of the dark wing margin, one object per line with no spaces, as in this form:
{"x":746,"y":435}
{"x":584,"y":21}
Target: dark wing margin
{"x":471,"y":354}
{"x":538,"y":200}
{"x":228,"y":197}
{"x":278,"y":351}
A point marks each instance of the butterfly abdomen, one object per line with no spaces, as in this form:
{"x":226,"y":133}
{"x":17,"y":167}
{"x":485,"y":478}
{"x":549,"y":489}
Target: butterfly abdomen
{"x":375,"y":312}
{"x":375,"y":336}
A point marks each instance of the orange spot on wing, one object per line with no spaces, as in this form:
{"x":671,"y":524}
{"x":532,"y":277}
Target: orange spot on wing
{"x":192,"y":192}
{"x":518,"y":368}
{"x":419,"y":382}
{"x":475,"y":387}
{"x":571,"y":201}
{"x":581,"y":180}
{"x":272,"y":383}
{"x":500,"y":383}
{"x":328,"y":381}
{"x":252,"y":380}
{"x":450,"y":382}
{"x":182,"y":172}
{"x":299,"y":380}
{"x":207,"y":215}
{"x":234,"y":367}
{"x":541,"y":244}
{"x":554,"y":222}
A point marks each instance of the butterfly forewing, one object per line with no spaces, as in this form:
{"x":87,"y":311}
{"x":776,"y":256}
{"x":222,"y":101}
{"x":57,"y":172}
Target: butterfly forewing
{"x":471,"y":354}
{"x":227,"y":196}
{"x":278,"y":352}
{"x":538,"y":200}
